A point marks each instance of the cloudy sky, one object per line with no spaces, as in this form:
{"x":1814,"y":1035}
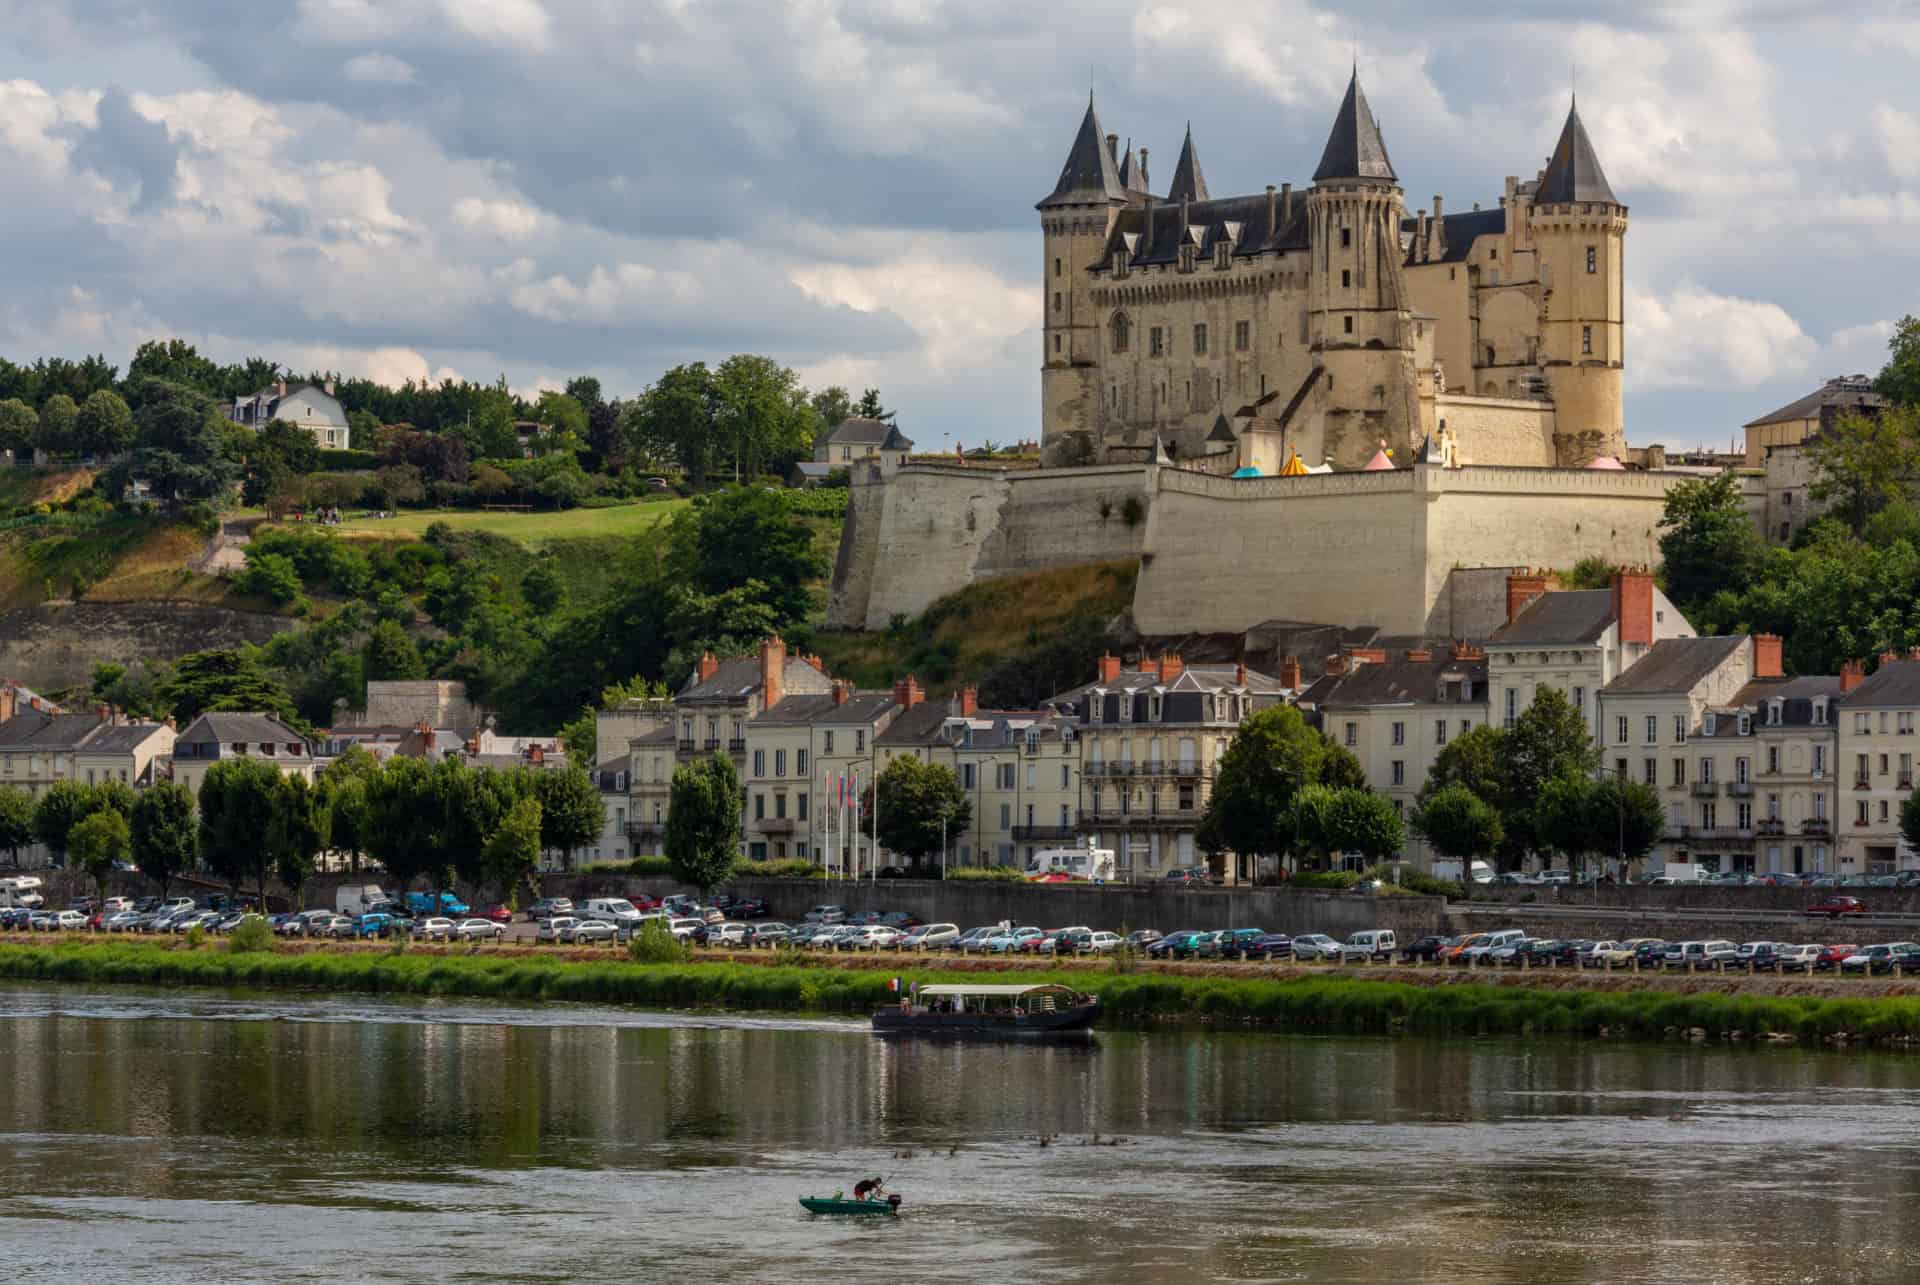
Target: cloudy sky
{"x":550,"y":187}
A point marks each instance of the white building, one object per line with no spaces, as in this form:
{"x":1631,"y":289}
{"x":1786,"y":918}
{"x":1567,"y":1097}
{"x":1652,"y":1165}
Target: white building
{"x":309,"y":406}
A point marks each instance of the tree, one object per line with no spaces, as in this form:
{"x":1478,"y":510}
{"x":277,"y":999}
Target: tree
{"x":59,"y":810}
{"x":346,"y":803}
{"x":1309,"y":819}
{"x":761,"y":414}
{"x":16,"y":820}
{"x":833,"y":407}
{"x":513,"y":850}
{"x":401,"y":484}
{"x":225,"y":678}
{"x":675,"y":418}
{"x":269,"y":575}
{"x":920,"y":806}
{"x":703,"y":821}
{"x":1629,"y":818}
{"x":570,"y":811}
{"x":747,"y":535}
{"x":544,"y":588}
{"x":1548,"y":742}
{"x":239,"y":805}
{"x":1460,"y":824}
{"x":870,"y":407}
{"x":165,"y":833}
{"x":390,"y":654}
{"x":1899,"y":380}
{"x":1862,"y":463}
{"x":361,"y":426}
{"x":99,"y":843}
{"x":1472,"y":760}
{"x":58,"y":419}
{"x":1272,"y":755}
{"x":298,"y":831}
{"x":1708,"y":543}
{"x":1562,"y":820}
{"x":19,"y":425}
{"x":1364,"y":822}
{"x":401,"y":822}
{"x":559,"y":413}
{"x":103,"y":424}
{"x":291,"y":444}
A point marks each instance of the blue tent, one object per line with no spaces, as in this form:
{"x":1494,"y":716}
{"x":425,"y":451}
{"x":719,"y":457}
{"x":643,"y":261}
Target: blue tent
{"x":1247,"y":472}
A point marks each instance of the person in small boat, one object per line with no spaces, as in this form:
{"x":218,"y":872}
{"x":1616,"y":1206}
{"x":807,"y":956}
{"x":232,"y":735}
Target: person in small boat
{"x":869,"y":1189}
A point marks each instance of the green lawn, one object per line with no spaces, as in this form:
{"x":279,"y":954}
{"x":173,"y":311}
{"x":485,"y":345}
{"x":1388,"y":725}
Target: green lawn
{"x":531,"y":529}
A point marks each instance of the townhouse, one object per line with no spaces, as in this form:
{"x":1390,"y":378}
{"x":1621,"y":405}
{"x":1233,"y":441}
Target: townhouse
{"x":797,"y":752}
{"x":1876,"y":745}
{"x":217,"y":737}
{"x":1794,"y":723}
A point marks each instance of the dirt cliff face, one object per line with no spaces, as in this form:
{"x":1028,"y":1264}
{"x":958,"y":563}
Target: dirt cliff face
{"x":54,"y":646}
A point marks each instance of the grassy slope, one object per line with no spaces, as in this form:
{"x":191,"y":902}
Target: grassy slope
{"x":962,"y":634}
{"x":535,"y":530}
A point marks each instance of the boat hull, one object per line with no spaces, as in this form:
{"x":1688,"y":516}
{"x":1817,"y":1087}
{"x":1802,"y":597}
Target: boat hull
{"x":1066,"y":1023}
{"x":850,"y":1208}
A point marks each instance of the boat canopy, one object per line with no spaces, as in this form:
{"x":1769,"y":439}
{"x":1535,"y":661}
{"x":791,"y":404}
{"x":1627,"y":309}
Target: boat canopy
{"x":1043,"y":988}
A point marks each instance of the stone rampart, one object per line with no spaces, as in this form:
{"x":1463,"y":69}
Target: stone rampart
{"x":55,"y":646}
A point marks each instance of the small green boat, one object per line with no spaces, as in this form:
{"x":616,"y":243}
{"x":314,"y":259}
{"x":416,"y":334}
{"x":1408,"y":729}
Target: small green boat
{"x":842,"y":1205}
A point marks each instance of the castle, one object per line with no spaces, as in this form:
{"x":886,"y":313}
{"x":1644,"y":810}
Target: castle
{"x":1235,"y":332}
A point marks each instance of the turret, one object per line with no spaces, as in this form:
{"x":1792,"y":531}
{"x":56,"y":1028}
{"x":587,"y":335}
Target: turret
{"x":1580,"y":230}
{"x":1075,"y":219}
{"x":1360,"y":327}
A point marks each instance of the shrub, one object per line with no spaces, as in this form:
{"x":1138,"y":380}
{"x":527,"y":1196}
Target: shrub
{"x":987,"y":874}
{"x":655,"y":944}
{"x":200,"y":516}
{"x":1337,"y":880}
{"x":196,"y":937}
{"x":348,"y":461}
{"x":251,"y":936}
{"x":650,"y":866}
{"x":791,"y":868}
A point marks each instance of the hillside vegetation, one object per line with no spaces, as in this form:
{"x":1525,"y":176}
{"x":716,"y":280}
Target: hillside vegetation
{"x":1019,"y":638}
{"x":537,"y":530}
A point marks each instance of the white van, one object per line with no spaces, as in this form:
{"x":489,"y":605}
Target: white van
{"x":357,"y":898}
{"x":617,"y":911}
{"x":22,"y":891}
{"x":1478,"y":952}
{"x":1373,"y":945}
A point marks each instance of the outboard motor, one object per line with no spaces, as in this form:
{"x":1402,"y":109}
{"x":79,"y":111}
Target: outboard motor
{"x":895,"y":1202}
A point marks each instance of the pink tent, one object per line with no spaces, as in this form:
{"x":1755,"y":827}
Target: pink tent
{"x":1378,"y":462}
{"x":1607,"y":462}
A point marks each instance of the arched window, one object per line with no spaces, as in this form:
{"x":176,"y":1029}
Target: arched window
{"x":1122,"y":329}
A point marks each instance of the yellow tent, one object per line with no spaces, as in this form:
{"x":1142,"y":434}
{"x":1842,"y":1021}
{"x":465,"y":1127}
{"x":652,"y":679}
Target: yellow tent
{"x":1295,"y":467}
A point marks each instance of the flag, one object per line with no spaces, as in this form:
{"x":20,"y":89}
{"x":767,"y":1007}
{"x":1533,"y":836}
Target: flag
{"x":894,"y":985}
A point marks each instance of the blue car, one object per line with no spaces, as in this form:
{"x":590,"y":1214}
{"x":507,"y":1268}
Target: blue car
{"x":422,"y":904}
{"x":372,"y":925}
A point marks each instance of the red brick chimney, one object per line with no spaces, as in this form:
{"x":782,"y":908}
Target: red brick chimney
{"x":816,"y":662}
{"x":773,"y":671}
{"x":1171,"y":667}
{"x":1888,"y":657}
{"x":1633,"y":604}
{"x":839,"y":693}
{"x":1289,"y":673}
{"x":1463,"y":650}
{"x":106,"y":713}
{"x":1109,"y":668}
{"x":1766,"y":656}
{"x":969,"y":701}
{"x":907,"y":693}
{"x":1147,"y":665}
{"x":1367,"y":656}
{"x":1522,"y":588}
{"x":709,"y":665}
{"x":1336,"y":665}
{"x":1418,"y":654}
{"x":1852,"y":674}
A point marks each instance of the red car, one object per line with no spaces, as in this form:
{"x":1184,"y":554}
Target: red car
{"x":1031,"y":946}
{"x":643,"y":903}
{"x":498,"y":913}
{"x":1834,"y":907}
{"x":1830,"y":956}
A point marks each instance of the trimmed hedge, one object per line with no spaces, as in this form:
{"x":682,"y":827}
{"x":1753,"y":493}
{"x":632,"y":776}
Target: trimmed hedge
{"x":349,"y":461}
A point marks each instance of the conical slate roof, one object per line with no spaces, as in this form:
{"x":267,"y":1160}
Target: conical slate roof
{"x":1574,"y":175}
{"x":1355,"y":148}
{"x":1130,"y":178}
{"x":1088,"y":177}
{"x":1189,"y":184}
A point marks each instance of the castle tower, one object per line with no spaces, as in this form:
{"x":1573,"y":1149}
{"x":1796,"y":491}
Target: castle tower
{"x":1581,"y":230}
{"x":1075,"y":219}
{"x":1359,"y":325}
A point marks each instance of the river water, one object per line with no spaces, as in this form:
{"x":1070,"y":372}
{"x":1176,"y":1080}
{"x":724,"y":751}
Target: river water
{"x":176,"y":1136}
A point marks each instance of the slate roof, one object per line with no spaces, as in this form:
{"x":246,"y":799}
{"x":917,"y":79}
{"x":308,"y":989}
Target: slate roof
{"x":230,"y":728}
{"x":1574,"y":616}
{"x":1457,"y":233}
{"x":37,"y":731}
{"x":1796,"y":696}
{"x":1841,"y":395}
{"x":869,"y":432}
{"x":921,"y":725}
{"x":1896,"y":684}
{"x":1089,"y":177}
{"x":736,"y":677}
{"x":1156,"y":234}
{"x":1221,"y":431}
{"x":1194,"y":678}
{"x":1675,"y":665}
{"x":1354,"y":147}
{"x":123,"y":738}
{"x":1189,"y":184}
{"x":1573,"y":174}
{"x":1403,"y":682}
{"x":860,"y":709}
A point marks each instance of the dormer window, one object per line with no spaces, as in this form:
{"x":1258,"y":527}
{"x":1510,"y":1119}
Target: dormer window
{"x":1094,"y":702}
{"x":1746,"y":725}
{"x":1706,"y":724}
{"x":1820,"y":709}
{"x":1773,"y":713}
{"x":1154,"y":708}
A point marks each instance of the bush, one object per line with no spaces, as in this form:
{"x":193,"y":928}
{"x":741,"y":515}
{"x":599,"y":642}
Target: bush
{"x":1337,"y":880}
{"x":349,"y":461}
{"x":791,"y":868}
{"x":196,"y":937}
{"x":650,"y":866}
{"x":200,"y":516}
{"x":656,"y":944}
{"x":251,"y":936}
{"x":987,"y":874}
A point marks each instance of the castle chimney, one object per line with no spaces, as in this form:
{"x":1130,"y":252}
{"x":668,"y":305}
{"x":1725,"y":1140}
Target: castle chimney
{"x":709,"y":665}
{"x":1272,"y":225}
{"x":1109,"y":668}
{"x":1171,"y":667}
{"x":816,"y":662}
{"x":1523,"y":588}
{"x":1766,"y":656}
{"x":1852,"y":674}
{"x":969,"y":701}
{"x":907,"y":693}
{"x":773,"y":671}
{"x":1113,"y":147}
{"x":1286,"y":204}
{"x":1145,"y":182}
{"x":1438,"y":228}
{"x":106,"y":713}
{"x":1420,"y":239}
{"x":1633,"y":604}
{"x":1289,"y":673}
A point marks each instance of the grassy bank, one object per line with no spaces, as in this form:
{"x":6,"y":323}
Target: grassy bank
{"x":535,"y":530}
{"x":1345,"y":1005}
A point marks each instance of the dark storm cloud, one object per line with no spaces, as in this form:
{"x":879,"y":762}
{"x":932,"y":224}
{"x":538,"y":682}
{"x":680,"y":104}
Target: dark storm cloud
{"x":130,"y":151}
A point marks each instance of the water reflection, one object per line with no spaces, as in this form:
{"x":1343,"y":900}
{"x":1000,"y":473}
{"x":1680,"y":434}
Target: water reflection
{"x":141,"y":1129}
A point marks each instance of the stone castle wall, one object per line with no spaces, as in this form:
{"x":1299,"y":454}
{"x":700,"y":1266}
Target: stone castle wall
{"x":52,"y":646}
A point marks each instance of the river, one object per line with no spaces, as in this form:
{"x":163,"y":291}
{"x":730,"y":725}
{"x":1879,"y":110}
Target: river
{"x":178,"y":1136}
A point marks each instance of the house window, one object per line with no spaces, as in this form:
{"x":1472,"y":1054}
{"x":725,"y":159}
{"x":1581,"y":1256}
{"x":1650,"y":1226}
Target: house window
{"x":1819,"y":760}
{"x":1200,"y":340}
{"x":967,"y":778}
{"x":779,"y":806}
{"x":1679,"y":773}
{"x":1006,"y":816}
{"x":1593,"y":260}
{"x":1620,"y":730}
{"x":1399,"y":772}
{"x":779,"y":762}
{"x":1773,"y":758}
{"x":1121,"y":329}
{"x":1708,"y":816}
{"x":1056,"y":267}
{"x":1056,"y":301}
{"x":1580,"y":699}
{"x":1156,"y":342}
{"x":1439,"y":731}
{"x":1586,"y":339}
{"x":759,"y":807}
{"x":1066,"y":776}
{"x":859,"y":740}
{"x":1513,"y":705}
{"x":1679,"y":729}
{"x":1650,"y":771}
{"x":759,"y":762}
{"x":800,"y":805}
{"x":826,"y":745}
{"x":1353,"y":734}
{"x":1349,"y":324}
{"x":1706,"y":771}
{"x":1242,"y":335}
{"x":800,"y":762}
{"x":1399,"y":733}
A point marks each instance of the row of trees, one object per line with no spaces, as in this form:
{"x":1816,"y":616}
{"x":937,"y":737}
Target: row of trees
{"x":251,"y":822}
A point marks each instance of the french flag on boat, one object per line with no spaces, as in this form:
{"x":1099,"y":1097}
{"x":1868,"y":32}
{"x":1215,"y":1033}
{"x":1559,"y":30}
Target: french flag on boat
{"x":894,"y":985}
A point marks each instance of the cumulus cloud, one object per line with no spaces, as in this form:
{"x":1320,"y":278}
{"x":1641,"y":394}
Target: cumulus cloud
{"x":1694,"y":338}
{"x":378,"y":69}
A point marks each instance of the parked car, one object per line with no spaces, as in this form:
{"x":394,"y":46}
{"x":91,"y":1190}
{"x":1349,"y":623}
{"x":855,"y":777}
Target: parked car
{"x":584,"y":932}
{"x":1236,"y":942}
{"x":201,"y":919}
{"x":1270,"y":946}
{"x":1451,"y":953}
{"x":1372,"y":945}
{"x":1651,"y":952}
{"x":547,"y":907}
{"x":1188,"y":876}
{"x":930,"y":937}
{"x":1700,"y":954}
{"x":770,"y":933}
{"x":683,"y":927}
{"x":729,"y":932}
{"x":499,"y":912}
{"x":1800,"y":956}
{"x":1835,"y":907}
{"x":123,"y":922}
{"x":1141,"y":938}
{"x":433,"y":928}
{"x":479,"y":930}
{"x":337,"y":927}
{"x":1425,"y":949}
{"x":1490,"y":942}
{"x":1102,"y":943}
{"x":827,"y":915}
{"x":69,"y":921}
{"x":1315,"y":946}
{"x":421,"y":903}
{"x":1165,"y":947}
{"x":1008,"y":942}
{"x":1832,"y":956}
{"x":550,"y":928}
{"x":1508,"y":952}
